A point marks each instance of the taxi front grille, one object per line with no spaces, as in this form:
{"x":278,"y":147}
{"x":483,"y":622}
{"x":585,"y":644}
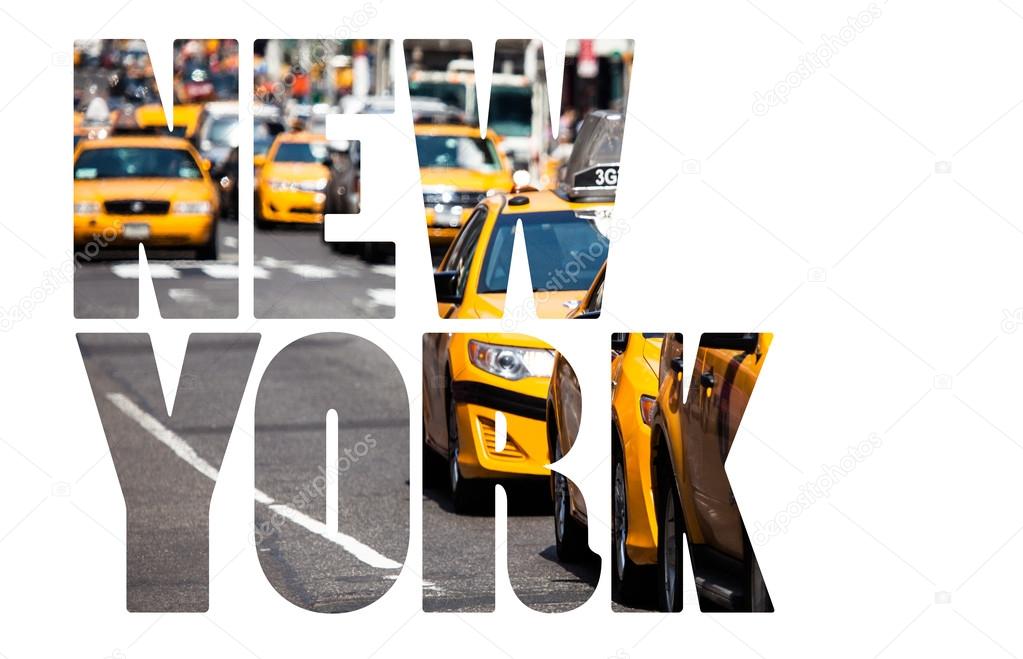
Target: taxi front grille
{"x":136,"y":207}
{"x":464,"y":199}
{"x":488,"y":434}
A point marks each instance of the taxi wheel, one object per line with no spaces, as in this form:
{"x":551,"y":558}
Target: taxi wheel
{"x":208,"y":252}
{"x":569,"y":534}
{"x":669,"y":548}
{"x":459,"y":487}
{"x":623,"y":569}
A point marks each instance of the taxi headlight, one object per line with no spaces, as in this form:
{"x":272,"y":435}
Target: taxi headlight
{"x":86,"y":207}
{"x":316,"y":185}
{"x":191,"y":207}
{"x":510,"y":362}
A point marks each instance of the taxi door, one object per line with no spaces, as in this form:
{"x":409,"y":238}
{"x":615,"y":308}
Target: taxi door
{"x":460,"y":256}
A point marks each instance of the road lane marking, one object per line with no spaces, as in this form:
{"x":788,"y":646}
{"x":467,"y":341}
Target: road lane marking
{"x":383,"y":296}
{"x":220,"y":270}
{"x":309,"y":271}
{"x":180,"y":447}
{"x":186,"y":295}
{"x":156,"y":271}
{"x":388,"y":270}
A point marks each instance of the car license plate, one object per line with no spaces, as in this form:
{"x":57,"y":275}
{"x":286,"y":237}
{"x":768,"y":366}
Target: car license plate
{"x":136,"y":231}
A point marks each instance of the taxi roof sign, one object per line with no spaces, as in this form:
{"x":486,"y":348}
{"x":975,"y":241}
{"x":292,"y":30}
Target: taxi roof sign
{"x":592,"y":168}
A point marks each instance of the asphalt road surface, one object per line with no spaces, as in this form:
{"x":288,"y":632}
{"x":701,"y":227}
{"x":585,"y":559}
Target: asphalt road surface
{"x":458,"y":551}
{"x":167,"y":466}
{"x":297,"y":275}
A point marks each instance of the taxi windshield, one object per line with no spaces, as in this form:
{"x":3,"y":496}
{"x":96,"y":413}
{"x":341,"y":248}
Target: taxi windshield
{"x":136,"y":162}
{"x":301,"y":152}
{"x":565,"y":252}
{"x":457,"y":151}
{"x":511,"y":111}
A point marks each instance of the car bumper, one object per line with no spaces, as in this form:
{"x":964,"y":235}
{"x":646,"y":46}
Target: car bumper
{"x":526,"y":452}
{"x":170,"y":230}
{"x":439,"y":227}
{"x":295,"y":207}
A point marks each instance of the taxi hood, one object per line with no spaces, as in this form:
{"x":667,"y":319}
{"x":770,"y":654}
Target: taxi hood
{"x":552,"y":304}
{"x":144,"y":188}
{"x":465,"y":179}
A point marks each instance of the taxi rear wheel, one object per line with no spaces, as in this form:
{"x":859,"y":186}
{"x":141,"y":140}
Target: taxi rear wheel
{"x":623,"y":569}
{"x":569,"y":534}
{"x":669,"y":548}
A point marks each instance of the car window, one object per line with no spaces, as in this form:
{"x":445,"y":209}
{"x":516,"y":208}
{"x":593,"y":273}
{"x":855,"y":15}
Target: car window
{"x":564,"y":249}
{"x":301,"y":152}
{"x":462,"y":251}
{"x":136,"y":162}
{"x":457,"y":151}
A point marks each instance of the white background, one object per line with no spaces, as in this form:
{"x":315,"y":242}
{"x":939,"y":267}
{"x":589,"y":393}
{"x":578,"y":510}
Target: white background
{"x":885,"y":277}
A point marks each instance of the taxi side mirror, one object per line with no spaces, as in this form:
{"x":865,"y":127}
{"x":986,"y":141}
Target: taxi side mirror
{"x":618,"y":341}
{"x":446,"y":283}
{"x":206,"y":165}
{"x":259,"y":160}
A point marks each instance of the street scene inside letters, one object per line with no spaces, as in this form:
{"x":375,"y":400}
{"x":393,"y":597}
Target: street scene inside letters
{"x":331,"y":508}
{"x":301,"y":177}
{"x":137,"y":181}
{"x":670,"y":494}
{"x":478,"y":187}
{"x":492,"y":415}
{"x":175,"y":192}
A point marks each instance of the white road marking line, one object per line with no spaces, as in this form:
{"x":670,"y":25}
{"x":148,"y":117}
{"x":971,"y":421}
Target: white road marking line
{"x":330,"y":475}
{"x":388,"y":270}
{"x":220,"y":270}
{"x":188,"y":295}
{"x":156,"y":271}
{"x":230,"y":241}
{"x":312,"y":271}
{"x":260,"y":273}
{"x":271,"y":262}
{"x":181,"y":449}
{"x":382,"y":296}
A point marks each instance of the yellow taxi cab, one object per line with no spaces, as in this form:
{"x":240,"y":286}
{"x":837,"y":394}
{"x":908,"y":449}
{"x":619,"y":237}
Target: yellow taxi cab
{"x":144,"y":189}
{"x":634,"y":365}
{"x":563,"y":229}
{"x":474,"y":387}
{"x":457,"y":169}
{"x":688,"y":446}
{"x":293,"y":181}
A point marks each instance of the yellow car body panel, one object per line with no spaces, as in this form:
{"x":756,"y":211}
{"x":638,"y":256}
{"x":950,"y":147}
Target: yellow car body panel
{"x":186,"y":118}
{"x":478,"y":396}
{"x":548,"y":304}
{"x":634,"y":374}
{"x":709,"y":509}
{"x":292,"y":204}
{"x":167,"y":229}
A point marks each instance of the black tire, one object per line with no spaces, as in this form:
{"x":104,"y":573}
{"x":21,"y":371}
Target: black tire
{"x":670,"y":547}
{"x":623,"y":570}
{"x":260,"y":223}
{"x":459,"y":487}
{"x":569,"y":534}
{"x":208,"y":252}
